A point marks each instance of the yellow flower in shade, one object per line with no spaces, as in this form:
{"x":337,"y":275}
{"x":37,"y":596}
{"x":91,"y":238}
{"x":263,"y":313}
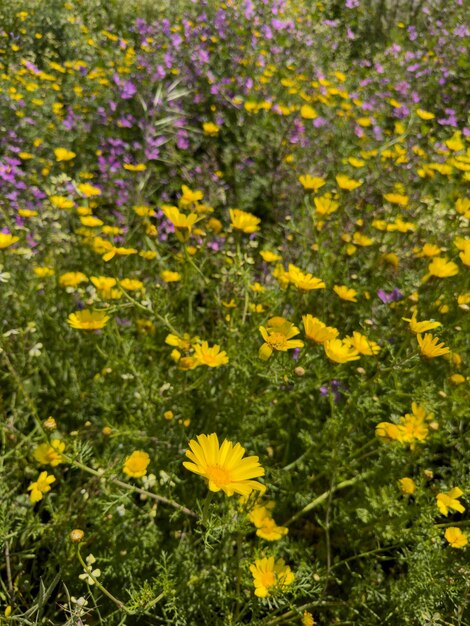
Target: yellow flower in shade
{"x":346,"y":183}
{"x":420,"y":327}
{"x":324,"y":205}
{"x":449,"y":501}
{"x":412,"y":429}
{"x":303,"y":280}
{"x":88,"y":191}
{"x":40,"y":487}
{"x":267,"y":528}
{"x":316,"y":330}
{"x":430,"y":346}
{"x":211,"y":356}
{"x":270,"y":257}
{"x":223,"y":466}
{"x":269,"y":575}
{"x":407,"y":486}
{"x":465,"y":254}
{"x":339,"y":351}
{"x":7,"y":240}
{"x":72,"y":279}
{"x":136,"y":464}
{"x":278,"y":335}
{"x":442,"y":268}
{"x":307,"y":112}
{"x":183,"y":223}
{"x":457,"y":379}
{"x":88,"y":320}
{"x":50,"y":453}
{"x":307,"y":619}
{"x":362,"y":344}
{"x":170,"y":277}
{"x":397,"y":198}
{"x":210,"y":129}
{"x":455,"y":537}
{"x":311,"y":183}
{"x":190,"y":197}
{"x":61,"y":202}
{"x":345,"y":293}
{"x":246,"y":222}
{"x":62,"y":154}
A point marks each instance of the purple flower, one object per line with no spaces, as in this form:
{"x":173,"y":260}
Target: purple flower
{"x":393,"y":296}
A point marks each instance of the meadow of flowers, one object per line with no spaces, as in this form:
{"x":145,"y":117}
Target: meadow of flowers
{"x":234,"y":277}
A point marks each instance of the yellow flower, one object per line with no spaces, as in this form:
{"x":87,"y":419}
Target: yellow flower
{"x":61,"y":202}
{"x":425,"y":115}
{"x":397,"y":198}
{"x":324,"y":205}
{"x":190,"y":197}
{"x":307,"y":112}
{"x":50,"y":453}
{"x":420,"y":327}
{"x":430,"y":346}
{"x":210,"y":129}
{"x":304,"y":281}
{"x":449,"y":501}
{"x":103,"y":284}
{"x":138,"y":167}
{"x":43,"y":272}
{"x":316,"y":330}
{"x":455,"y":537}
{"x":307,"y":619}
{"x":72,"y":279}
{"x":362,"y":240}
{"x":7,"y":239}
{"x":246,"y":222}
{"x":462,"y":206}
{"x":88,"y":320}
{"x":268,"y":574}
{"x":345,"y":293}
{"x":465,"y":254}
{"x":269,"y":257}
{"x":311,"y":183}
{"x":211,"y":356}
{"x":88,"y":191}
{"x":183,"y":223}
{"x":170,"y":277}
{"x":131,"y":284}
{"x":339,"y":351}
{"x":136,"y":464}
{"x":278,"y":336}
{"x":442,"y":268}
{"x":407,"y":486}
{"x":62,"y":154}
{"x":91,"y":221}
{"x":223,"y":466}
{"x":349,"y":184}
{"x":429,"y":249}
{"x":40,"y":487}
{"x":362,"y":344}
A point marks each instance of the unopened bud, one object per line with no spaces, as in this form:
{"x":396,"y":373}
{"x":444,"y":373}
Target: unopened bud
{"x":76,"y":535}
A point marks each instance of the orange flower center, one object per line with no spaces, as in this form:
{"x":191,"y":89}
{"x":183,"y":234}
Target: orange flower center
{"x":219,"y":475}
{"x":277,"y":340}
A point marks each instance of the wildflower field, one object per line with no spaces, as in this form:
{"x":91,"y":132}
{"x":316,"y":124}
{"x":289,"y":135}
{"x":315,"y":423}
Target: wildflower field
{"x":234,"y":286}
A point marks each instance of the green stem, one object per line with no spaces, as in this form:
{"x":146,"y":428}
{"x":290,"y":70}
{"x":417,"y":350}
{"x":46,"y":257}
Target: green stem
{"x":324,"y":496}
{"x":88,"y":570}
{"x":132,"y":488}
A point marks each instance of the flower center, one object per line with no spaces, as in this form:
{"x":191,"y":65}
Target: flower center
{"x":219,"y":475}
{"x":277,"y":340}
{"x":268,"y":579}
